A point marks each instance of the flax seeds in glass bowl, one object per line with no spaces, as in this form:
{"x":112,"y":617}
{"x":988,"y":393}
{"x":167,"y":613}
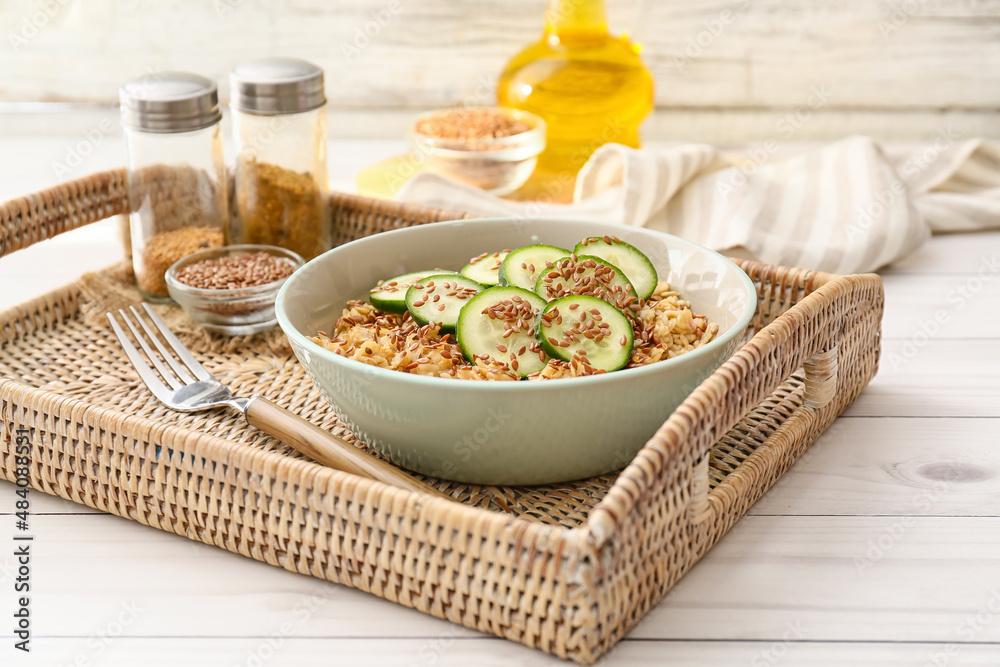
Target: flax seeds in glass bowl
{"x":492,"y":148}
{"x":231,"y":290}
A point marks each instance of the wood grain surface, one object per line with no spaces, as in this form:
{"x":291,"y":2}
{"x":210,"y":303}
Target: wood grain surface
{"x":880,"y":547}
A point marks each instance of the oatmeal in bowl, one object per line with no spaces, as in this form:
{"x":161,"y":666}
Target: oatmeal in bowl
{"x":396,"y":366}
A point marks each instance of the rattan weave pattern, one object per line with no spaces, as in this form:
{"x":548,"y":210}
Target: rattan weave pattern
{"x":567,"y":569}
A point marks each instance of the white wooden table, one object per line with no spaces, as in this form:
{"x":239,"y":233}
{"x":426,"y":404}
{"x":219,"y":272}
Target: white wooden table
{"x":880,"y":547}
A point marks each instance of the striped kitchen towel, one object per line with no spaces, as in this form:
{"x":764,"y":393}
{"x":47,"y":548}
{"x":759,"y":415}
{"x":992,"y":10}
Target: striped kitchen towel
{"x":847,"y":207}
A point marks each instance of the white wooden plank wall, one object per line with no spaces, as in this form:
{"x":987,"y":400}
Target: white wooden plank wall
{"x":726,"y":70}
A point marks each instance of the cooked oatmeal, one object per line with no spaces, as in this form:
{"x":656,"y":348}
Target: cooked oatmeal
{"x":664,"y":327}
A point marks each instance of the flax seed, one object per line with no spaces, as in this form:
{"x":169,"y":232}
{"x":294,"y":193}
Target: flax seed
{"x":235,"y":271}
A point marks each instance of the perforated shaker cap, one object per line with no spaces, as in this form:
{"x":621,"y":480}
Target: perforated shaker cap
{"x":272,"y":86}
{"x":168,"y":102}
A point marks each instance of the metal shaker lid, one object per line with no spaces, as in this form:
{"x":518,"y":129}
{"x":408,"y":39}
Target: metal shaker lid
{"x":168,"y":102}
{"x":272,"y":86}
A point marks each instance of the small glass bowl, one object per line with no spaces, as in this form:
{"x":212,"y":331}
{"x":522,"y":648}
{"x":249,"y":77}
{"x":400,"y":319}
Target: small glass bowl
{"x":498,"y":166}
{"x":239,"y":311}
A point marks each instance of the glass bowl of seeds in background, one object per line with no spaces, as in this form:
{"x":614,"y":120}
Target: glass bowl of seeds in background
{"x":231,"y":290}
{"x":177,"y":182}
{"x":279,"y":120}
{"x":492,"y":148}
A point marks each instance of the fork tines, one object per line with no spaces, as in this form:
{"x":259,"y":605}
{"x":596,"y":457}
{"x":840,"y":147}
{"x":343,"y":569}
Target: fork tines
{"x":174,"y":368}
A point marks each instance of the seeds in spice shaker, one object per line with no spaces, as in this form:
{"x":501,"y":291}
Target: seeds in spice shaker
{"x":163,"y":249}
{"x":236,"y":271}
{"x":179,"y":210}
{"x":176,"y":173}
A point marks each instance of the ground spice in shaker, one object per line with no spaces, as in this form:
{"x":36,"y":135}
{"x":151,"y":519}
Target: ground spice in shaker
{"x":280,"y":207}
{"x":279,"y":122}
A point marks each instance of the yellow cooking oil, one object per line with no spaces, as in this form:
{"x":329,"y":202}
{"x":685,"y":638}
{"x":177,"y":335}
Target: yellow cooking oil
{"x":591,"y":87}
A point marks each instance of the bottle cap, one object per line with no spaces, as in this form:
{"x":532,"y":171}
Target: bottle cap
{"x":169,"y":102}
{"x":272,"y":86}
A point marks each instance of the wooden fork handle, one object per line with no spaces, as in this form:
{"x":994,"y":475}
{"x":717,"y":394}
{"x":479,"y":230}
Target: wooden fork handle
{"x":326,"y":448}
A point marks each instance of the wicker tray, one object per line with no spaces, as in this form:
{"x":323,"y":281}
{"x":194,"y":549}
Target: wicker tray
{"x":568,"y":569}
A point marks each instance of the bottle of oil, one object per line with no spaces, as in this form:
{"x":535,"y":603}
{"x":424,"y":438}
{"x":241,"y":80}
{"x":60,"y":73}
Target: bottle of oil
{"x":590,"y":87}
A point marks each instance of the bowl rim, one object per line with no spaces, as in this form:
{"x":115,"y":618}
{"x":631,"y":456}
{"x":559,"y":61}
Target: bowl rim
{"x":231,"y":292}
{"x":531,"y":138}
{"x":421,"y":381}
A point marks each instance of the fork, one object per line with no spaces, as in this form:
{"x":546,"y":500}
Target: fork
{"x":179,"y":381}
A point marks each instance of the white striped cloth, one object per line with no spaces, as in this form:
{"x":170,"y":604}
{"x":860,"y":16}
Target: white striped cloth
{"x":848,"y":207}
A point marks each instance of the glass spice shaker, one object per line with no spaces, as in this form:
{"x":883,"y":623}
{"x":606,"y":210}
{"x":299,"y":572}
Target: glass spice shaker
{"x":279,"y":118}
{"x":178,"y":199}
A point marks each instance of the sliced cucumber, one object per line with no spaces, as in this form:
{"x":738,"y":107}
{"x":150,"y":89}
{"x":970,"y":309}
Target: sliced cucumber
{"x":588,"y":329}
{"x":637,"y":267}
{"x":389,"y":295}
{"x":521,"y":267}
{"x":439,"y":298}
{"x":484,"y":268}
{"x":587,"y":275}
{"x":500,"y":323}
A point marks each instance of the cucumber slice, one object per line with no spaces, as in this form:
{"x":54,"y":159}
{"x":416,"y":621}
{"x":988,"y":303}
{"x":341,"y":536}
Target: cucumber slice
{"x":484,"y":268}
{"x":439,"y":298}
{"x":591,"y":276}
{"x":521,"y":267}
{"x":637,"y":267}
{"x":389,"y":295}
{"x":588,"y":329}
{"x":500,"y":323}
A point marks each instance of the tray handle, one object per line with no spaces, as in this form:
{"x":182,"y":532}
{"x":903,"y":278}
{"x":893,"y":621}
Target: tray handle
{"x":809,"y":336}
{"x":821,"y":378}
{"x":820,"y":388}
{"x":43,"y":215}
{"x":26,"y":220}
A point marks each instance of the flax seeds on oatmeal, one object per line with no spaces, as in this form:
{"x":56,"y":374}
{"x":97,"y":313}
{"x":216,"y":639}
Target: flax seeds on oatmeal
{"x":663,"y":327}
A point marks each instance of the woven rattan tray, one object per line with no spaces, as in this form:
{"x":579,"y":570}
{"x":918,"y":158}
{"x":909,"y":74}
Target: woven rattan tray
{"x":568,"y":569}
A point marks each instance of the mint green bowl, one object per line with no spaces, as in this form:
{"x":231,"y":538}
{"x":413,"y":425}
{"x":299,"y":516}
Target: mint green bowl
{"x":509,"y":433}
